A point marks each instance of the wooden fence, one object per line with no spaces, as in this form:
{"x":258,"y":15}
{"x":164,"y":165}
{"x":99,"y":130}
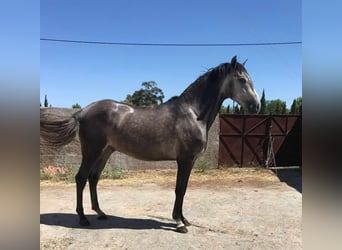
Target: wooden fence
{"x":260,"y":140}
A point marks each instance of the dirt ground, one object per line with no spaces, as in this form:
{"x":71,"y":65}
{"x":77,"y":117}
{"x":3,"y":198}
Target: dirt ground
{"x":228,"y":209}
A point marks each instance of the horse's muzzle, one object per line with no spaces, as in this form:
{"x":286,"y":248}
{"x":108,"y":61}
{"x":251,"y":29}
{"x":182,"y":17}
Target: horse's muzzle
{"x":253,"y":108}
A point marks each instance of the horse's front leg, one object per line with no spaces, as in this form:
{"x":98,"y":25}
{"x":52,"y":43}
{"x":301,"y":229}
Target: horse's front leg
{"x":93,"y":180}
{"x":183,"y":173}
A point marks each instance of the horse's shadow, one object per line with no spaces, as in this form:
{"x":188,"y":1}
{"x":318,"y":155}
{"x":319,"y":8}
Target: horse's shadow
{"x":292,"y":177}
{"x":112,"y":222}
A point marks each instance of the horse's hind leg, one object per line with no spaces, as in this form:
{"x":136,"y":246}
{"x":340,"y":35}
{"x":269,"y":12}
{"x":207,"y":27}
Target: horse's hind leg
{"x":81,"y":180}
{"x":93,"y":180}
{"x":90,"y":156}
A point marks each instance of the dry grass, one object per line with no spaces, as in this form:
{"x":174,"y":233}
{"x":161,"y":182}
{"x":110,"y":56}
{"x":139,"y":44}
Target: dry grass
{"x":212,"y":177}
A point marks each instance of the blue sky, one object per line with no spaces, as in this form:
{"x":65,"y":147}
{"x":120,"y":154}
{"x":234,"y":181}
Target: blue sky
{"x":82,"y":73}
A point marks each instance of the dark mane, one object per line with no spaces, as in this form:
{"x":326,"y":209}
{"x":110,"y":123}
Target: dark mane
{"x":173,"y":98}
{"x":211,"y":76}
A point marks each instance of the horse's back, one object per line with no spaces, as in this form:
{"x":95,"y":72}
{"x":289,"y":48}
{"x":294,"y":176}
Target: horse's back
{"x":142,"y":132}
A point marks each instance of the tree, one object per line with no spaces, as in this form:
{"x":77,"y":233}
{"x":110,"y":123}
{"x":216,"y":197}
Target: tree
{"x":236,"y":109}
{"x":263,"y":103}
{"x":128,"y":99}
{"x":149,"y":95}
{"x":283,"y":109}
{"x":299,"y":104}
{"x":76,"y":106}
{"x":242,"y":111}
{"x":225,"y":110}
{"x":222,"y":110}
{"x":276,"y":107}
{"x":296,"y":107}
{"x":46,"y":103}
{"x":228,"y":109}
{"x":293,"y":107}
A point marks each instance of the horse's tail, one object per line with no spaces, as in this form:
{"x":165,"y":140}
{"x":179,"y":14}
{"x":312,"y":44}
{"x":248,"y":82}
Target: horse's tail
{"x":58,"y":130}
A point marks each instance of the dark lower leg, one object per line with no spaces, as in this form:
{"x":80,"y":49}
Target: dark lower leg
{"x":183,"y":173}
{"x":93,"y":180}
{"x":80,"y":183}
{"x":177,"y":213}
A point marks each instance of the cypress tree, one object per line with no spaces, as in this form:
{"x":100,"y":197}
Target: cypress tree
{"x":263,"y":103}
{"x":228,"y":109}
{"x":46,"y":104}
{"x":293,"y":107}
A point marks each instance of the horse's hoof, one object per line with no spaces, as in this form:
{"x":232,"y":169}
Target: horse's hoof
{"x":182,"y":229}
{"x":186,"y":222}
{"x":102,"y":217}
{"x":84,"y":222}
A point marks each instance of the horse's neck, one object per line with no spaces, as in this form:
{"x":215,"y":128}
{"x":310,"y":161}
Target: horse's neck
{"x":206,"y":101}
{"x":209,"y":109}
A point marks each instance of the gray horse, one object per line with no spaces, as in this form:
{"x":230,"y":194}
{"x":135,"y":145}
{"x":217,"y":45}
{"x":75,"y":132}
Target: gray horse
{"x":176,"y":130}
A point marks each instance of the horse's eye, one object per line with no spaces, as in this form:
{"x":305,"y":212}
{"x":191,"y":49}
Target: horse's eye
{"x":242,"y":80}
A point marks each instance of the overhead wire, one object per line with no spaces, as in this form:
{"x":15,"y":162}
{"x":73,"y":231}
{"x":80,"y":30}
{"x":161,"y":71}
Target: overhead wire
{"x":171,"y":44}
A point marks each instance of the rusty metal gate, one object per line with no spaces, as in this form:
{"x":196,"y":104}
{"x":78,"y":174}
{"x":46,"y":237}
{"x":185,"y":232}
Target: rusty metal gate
{"x":260,"y":140}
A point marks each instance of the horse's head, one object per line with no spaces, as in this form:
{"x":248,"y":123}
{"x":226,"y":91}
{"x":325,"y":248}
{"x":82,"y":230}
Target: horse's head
{"x":239,"y":87}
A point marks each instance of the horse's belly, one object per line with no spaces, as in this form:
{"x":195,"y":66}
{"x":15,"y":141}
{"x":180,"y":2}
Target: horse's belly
{"x":146,"y":156}
{"x":153,"y":150}
{"x":149,"y":155}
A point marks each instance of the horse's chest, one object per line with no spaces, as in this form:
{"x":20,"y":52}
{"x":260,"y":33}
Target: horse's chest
{"x":195,"y":132}
{"x":201,"y":132}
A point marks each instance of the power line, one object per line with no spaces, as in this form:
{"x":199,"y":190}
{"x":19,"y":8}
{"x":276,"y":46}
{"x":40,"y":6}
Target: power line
{"x":171,"y":44}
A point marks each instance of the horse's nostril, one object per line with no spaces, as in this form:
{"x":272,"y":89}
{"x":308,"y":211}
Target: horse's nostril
{"x":254,"y":108}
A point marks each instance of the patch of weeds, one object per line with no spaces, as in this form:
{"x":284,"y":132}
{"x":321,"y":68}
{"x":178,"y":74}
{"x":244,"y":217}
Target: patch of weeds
{"x":44,"y":175}
{"x":54,"y":173}
{"x":114,"y":172}
{"x":68,"y":173}
{"x":202,"y":166}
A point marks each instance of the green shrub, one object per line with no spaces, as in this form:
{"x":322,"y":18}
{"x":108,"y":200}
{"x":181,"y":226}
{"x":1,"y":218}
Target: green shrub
{"x":202,"y":166}
{"x":114,"y":172}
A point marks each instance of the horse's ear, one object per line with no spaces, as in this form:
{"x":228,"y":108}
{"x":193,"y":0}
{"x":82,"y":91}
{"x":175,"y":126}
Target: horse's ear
{"x":245,"y":62}
{"x":233,"y":62}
